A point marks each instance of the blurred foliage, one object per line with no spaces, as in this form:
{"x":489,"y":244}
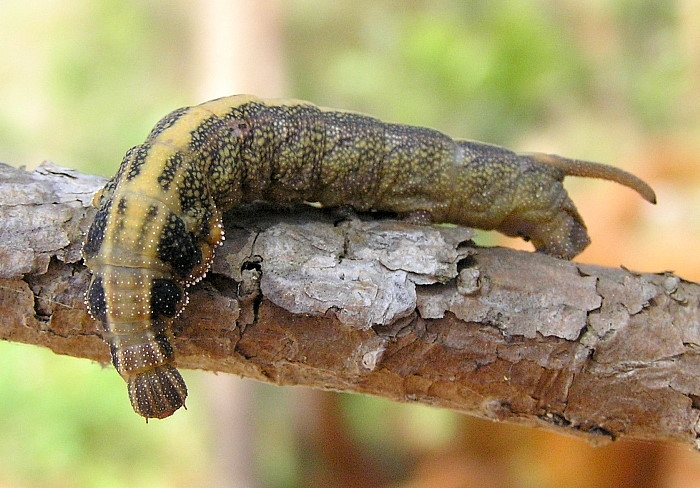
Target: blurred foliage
{"x":67,"y":422}
{"x":83,"y":80}
{"x":68,"y":69}
{"x":86,"y":79}
{"x":477,"y":68}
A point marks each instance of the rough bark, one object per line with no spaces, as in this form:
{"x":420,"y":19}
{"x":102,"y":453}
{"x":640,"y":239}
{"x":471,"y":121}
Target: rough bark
{"x":410,"y":313}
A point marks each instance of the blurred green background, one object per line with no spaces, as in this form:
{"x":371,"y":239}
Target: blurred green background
{"x":612,"y":80}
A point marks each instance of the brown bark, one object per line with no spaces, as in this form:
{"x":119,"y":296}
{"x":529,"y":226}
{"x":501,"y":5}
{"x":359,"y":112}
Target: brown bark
{"x":409,"y":313}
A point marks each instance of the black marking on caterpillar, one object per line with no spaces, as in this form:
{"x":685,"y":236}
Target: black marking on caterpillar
{"x":159,"y":218}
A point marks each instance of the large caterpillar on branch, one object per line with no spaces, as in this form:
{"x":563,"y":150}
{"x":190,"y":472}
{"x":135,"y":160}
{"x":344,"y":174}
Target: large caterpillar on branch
{"x":159,"y":218}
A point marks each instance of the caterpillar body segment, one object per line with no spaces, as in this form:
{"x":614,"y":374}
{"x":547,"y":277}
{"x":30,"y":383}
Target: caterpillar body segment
{"x":159,"y":219}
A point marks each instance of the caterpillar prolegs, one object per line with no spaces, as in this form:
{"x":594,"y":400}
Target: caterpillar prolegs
{"x":159,"y":219}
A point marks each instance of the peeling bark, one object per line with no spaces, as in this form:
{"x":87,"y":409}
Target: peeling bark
{"x":414,"y":314}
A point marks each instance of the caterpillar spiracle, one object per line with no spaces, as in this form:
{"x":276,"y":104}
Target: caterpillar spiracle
{"x":159,"y":218}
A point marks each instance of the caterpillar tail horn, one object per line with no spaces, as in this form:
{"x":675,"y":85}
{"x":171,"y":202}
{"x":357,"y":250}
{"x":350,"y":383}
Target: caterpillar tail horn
{"x":588,"y":169}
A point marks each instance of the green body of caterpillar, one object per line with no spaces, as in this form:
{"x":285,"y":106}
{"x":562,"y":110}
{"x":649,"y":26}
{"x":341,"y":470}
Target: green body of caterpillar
{"x":159,"y":218}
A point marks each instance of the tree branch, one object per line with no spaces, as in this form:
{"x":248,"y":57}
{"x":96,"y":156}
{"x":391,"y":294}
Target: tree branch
{"x":413,"y":314}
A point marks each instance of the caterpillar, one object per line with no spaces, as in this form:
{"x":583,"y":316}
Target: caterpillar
{"x":159,"y":219}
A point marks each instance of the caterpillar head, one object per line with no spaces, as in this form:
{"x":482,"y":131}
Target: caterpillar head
{"x":157,"y":392}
